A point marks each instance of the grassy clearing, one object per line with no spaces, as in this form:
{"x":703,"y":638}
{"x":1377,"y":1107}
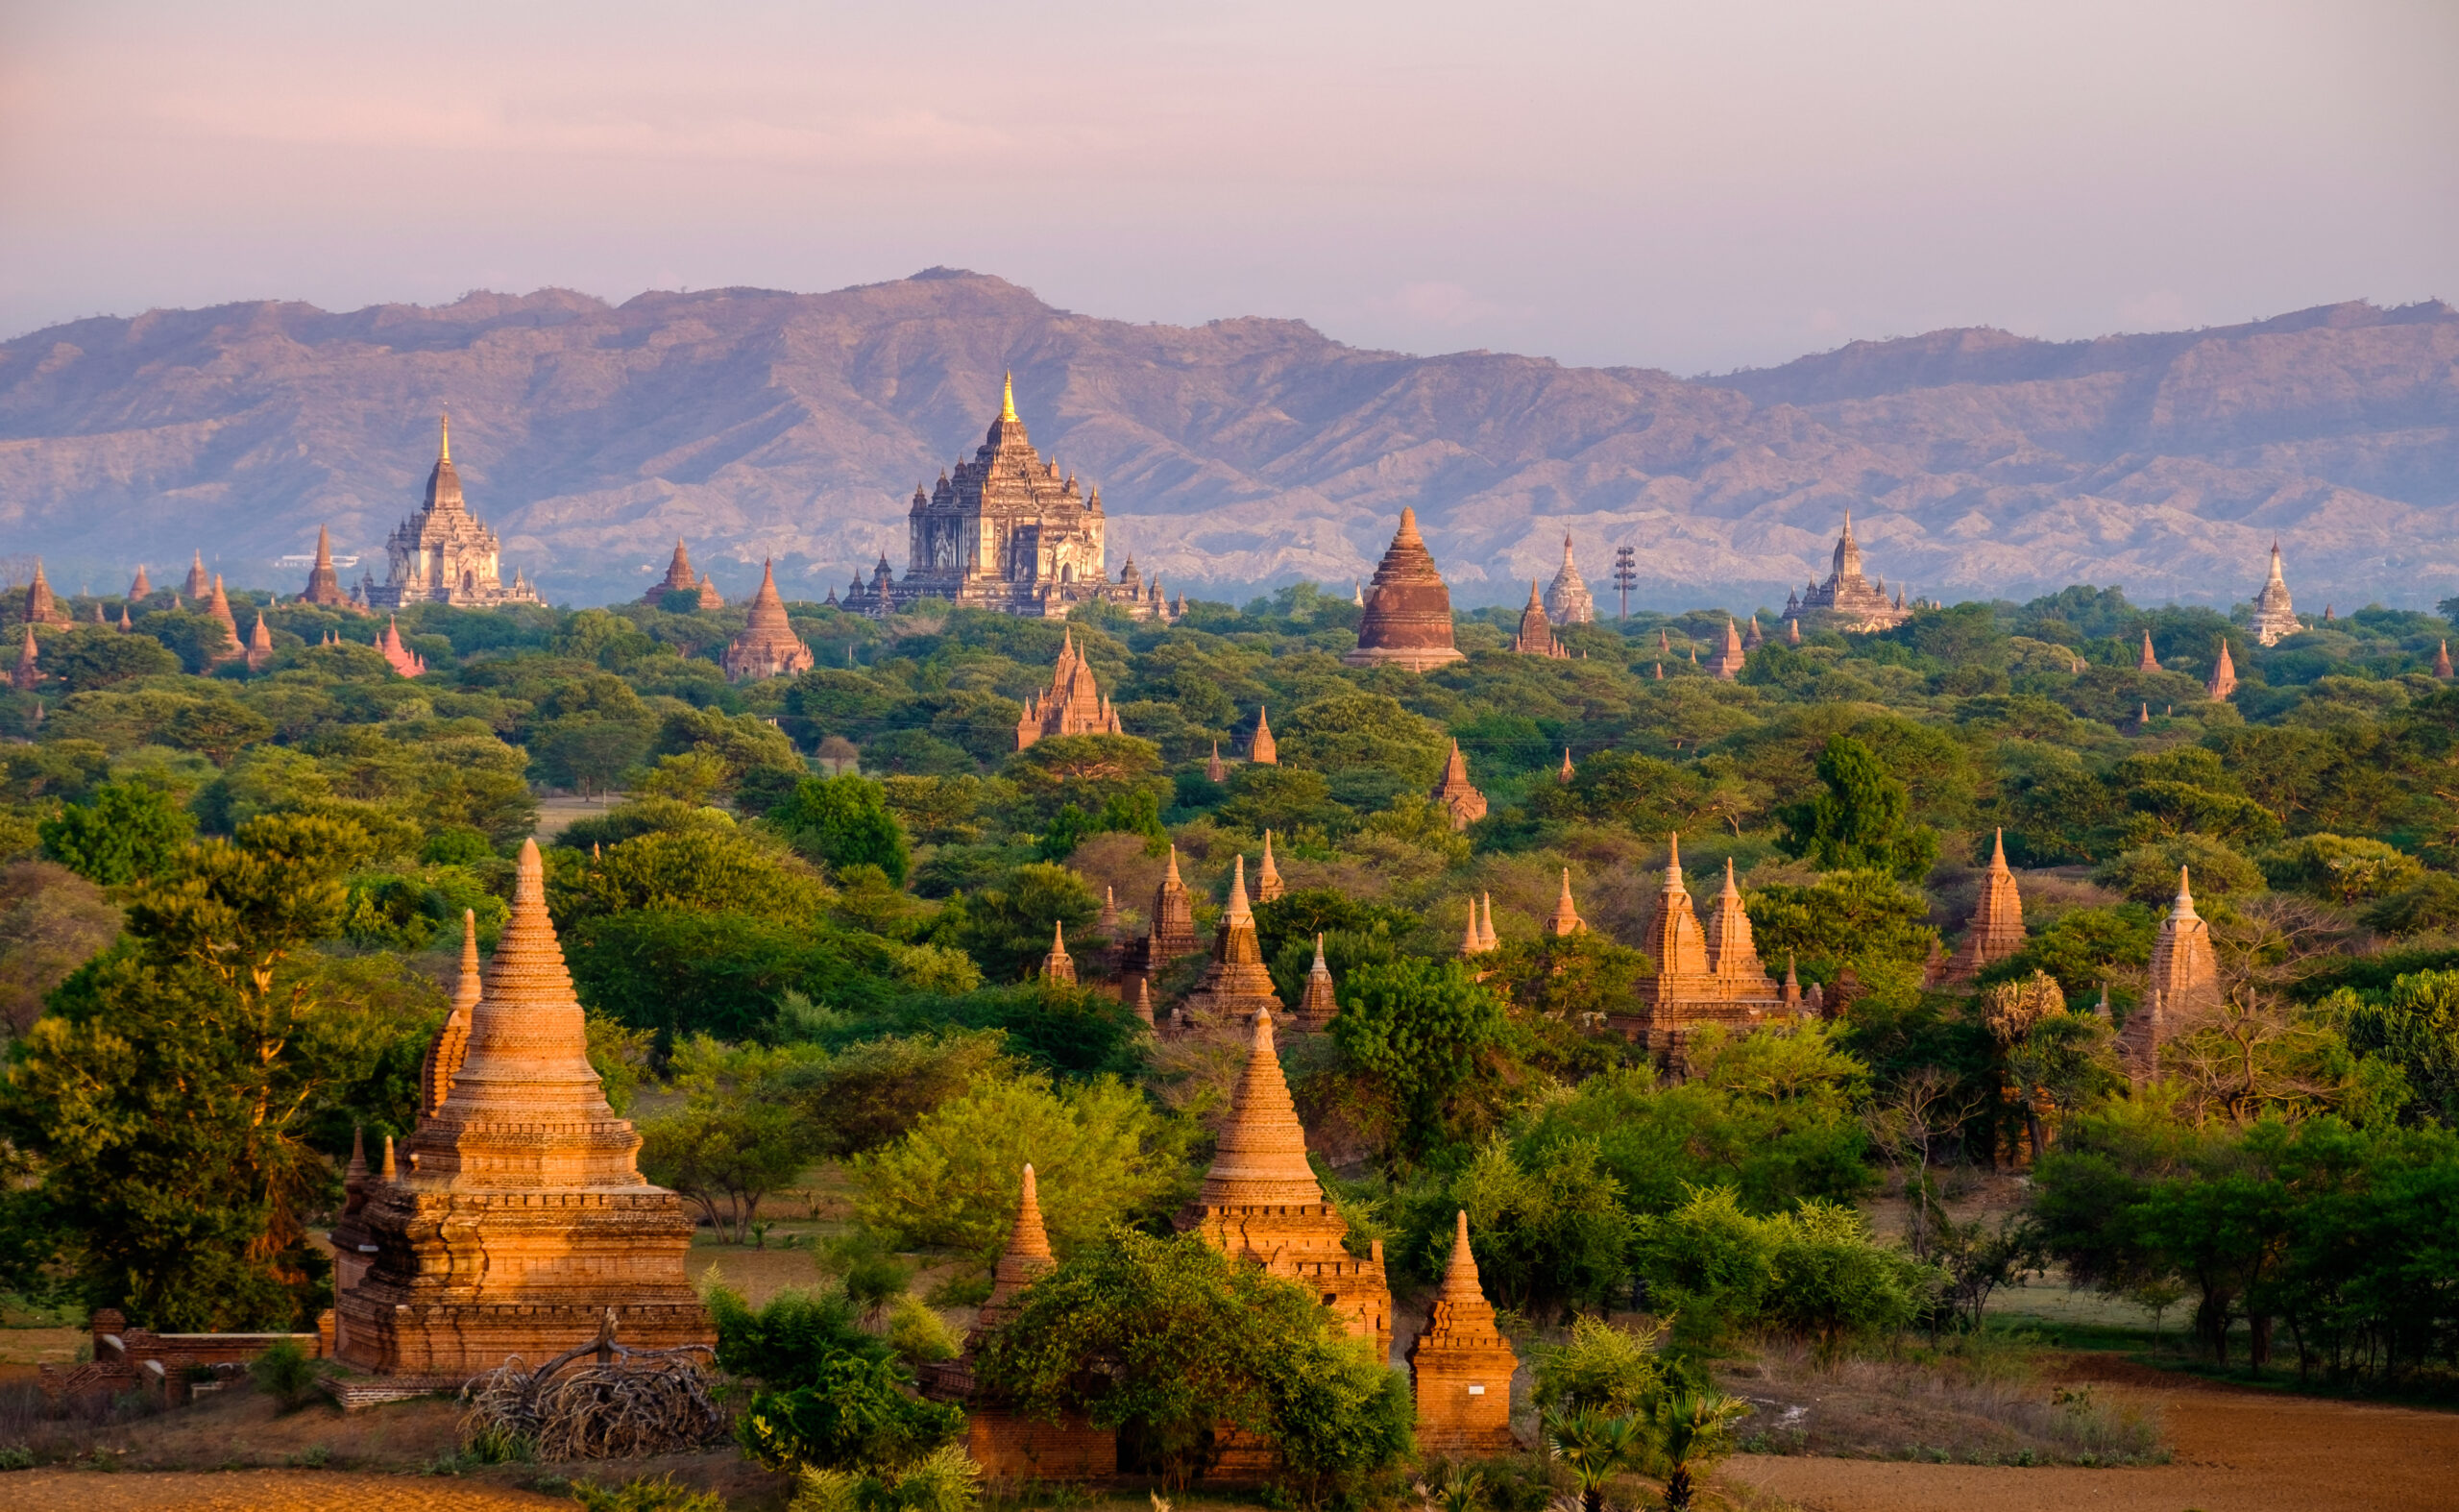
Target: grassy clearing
{"x":1979,"y":1399}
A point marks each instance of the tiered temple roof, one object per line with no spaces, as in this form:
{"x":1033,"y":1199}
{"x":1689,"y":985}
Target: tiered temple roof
{"x":2182,"y":983}
{"x":679,"y":579}
{"x":2275,"y":616}
{"x":2224,"y":676}
{"x":1567,"y":600}
{"x":1006,"y":531}
{"x":323,"y":584}
{"x":1260,"y":1200}
{"x":1268,"y":882}
{"x":521,"y":1219}
{"x":1318,"y":1007}
{"x":1263,"y":750}
{"x":1236,"y":983}
{"x":444,"y":553}
{"x":1407,"y":622}
{"x":1710,"y":975}
{"x":1461,"y":1366}
{"x":1536,"y":636}
{"x":767,"y":646}
{"x":1564,"y":919}
{"x":405,"y":662}
{"x":218,"y":607}
{"x":1728,"y":661}
{"x":1997,"y":928}
{"x":1071,"y":705}
{"x":259,"y":645}
{"x":1026,"y":1259}
{"x":2150,"y":660}
{"x":1169,"y":930}
{"x":1467,"y":805}
{"x":1847,"y":599}
{"x":42,"y":605}
{"x":198,"y":584}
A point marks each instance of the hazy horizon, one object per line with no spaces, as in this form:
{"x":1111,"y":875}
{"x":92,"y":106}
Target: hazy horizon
{"x":1629,"y":186}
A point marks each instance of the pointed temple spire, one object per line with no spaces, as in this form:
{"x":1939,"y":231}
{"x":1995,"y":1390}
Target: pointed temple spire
{"x":1008,"y":398}
{"x":1727,"y":664}
{"x":1565,"y":775}
{"x":2183,"y":980}
{"x":2148,"y":662}
{"x":1461,"y":1365}
{"x":142,"y":586}
{"x":29,"y":670}
{"x":1263,"y":750}
{"x":1564,"y":919}
{"x":767,"y":646}
{"x":1567,"y":600}
{"x":1144,"y":1001}
{"x":1261,"y":1158}
{"x":1268,"y":884}
{"x":1467,"y":805}
{"x":259,"y":645}
{"x":2224,"y":676}
{"x":1235,"y":983}
{"x":1058,"y":965}
{"x":1997,"y":928}
{"x":1486,"y":927}
{"x":1026,"y":1259}
{"x":198,"y":584}
{"x":1472,"y":941}
{"x":1318,"y":1006}
{"x":2442,"y":660}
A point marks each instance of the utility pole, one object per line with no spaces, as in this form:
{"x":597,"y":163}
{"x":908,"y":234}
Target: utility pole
{"x":1627,"y":577}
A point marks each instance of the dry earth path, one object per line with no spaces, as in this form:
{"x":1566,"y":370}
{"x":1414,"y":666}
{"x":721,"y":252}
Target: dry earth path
{"x":2236,"y":1449}
{"x":257,"y":1491}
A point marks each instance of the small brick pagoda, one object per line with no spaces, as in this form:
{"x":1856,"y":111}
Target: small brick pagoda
{"x":1169,"y":934}
{"x":1235,"y":984}
{"x":1317,"y":1010}
{"x":1269,"y":887}
{"x":2182,"y":984}
{"x":2223,"y":681}
{"x":1263,"y":750}
{"x":767,"y":646}
{"x":1260,"y":1200}
{"x":197,"y":583}
{"x":1564,"y":919}
{"x":42,"y":606}
{"x":519,"y":1219}
{"x":1536,"y":635}
{"x":323,"y":584}
{"x":1457,"y":794}
{"x":1997,"y":929}
{"x":1407,"y":622}
{"x":218,"y":608}
{"x":1071,"y":705}
{"x":679,"y":580}
{"x":1727,"y":664}
{"x":1461,"y":1366}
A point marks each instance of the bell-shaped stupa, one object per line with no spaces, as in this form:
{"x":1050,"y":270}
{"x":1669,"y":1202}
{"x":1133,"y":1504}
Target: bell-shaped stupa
{"x":1407,"y":622}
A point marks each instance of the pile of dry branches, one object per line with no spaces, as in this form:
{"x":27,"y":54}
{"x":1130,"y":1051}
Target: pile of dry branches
{"x":599,"y":1400}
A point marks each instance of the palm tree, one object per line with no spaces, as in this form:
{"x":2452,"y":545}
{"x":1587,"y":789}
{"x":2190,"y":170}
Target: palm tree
{"x":1688,"y":1432}
{"x":1597,"y":1448}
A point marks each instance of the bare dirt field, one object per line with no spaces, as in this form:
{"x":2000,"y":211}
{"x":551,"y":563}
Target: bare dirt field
{"x":2236,"y":1449}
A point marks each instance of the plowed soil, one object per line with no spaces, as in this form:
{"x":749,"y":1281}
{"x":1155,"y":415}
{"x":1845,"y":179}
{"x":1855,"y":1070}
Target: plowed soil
{"x":2236,"y":1449}
{"x":259,"y":1491}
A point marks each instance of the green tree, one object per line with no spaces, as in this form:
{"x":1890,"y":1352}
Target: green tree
{"x":1415,"y":1032}
{"x":1101,"y":1155}
{"x":89,"y":659}
{"x":1863,"y":820}
{"x":845,"y":821}
{"x":1550,"y":1230}
{"x":167,"y":1090}
{"x":2416,"y":1026}
{"x":125,"y":830}
{"x":1858,"y":918}
{"x":586,"y":752}
{"x":733,"y":1141}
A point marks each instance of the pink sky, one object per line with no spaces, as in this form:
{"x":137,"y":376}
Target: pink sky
{"x":1695,"y":186}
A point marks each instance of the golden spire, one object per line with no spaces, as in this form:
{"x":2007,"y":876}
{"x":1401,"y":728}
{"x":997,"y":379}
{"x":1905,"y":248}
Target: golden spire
{"x":444,"y":425}
{"x":1008,"y":398}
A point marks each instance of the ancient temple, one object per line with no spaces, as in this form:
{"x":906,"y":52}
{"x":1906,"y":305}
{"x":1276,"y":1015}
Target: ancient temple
{"x":1726,"y":665}
{"x":1169,"y":932}
{"x":1407,"y":622}
{"x":1261,"y":1201}
{"x":2224,"y":676}
{"x":198,"y":584}
{"x":679,"y":580}
{"x":2150,"y":660}
{"x":1702,"y":976}
{"x":1235,"y":983}
{"x":218,"y":609}
{"x":1058,"y":968}
{"x":323,"y":584}
{"x":139,"y":587}
{"x":42,"y":605}
{"x":2442,"y":661}
{"x":2274,"y":617}
{"x":451,"y":1045}
{"x":1263,"y":750}
{"x":767,"y":646}
{"x":1317,"y":1008}
{"x":444,"y":553}
{"x":1071,"y":705}
{"x":1848,"y":600}
{"x":259,"y":645}
{"x":29,"y":669}
{"x":1007,"y":532}
{"x":1465,"y":802}
{"x":1460,"y":1368}
{"x":1268,"y":882}
{"x":519,"y":1219}
{"x":1997,"y":928}
{"x":1564,"y":919}
{"x":2182,"y":984}
{"x":1536,"y":635}
{"x":405,"y":662}
{"x":1567,"y":600}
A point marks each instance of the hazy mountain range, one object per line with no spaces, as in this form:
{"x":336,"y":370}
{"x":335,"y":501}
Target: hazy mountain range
{"x":1241,"y":452}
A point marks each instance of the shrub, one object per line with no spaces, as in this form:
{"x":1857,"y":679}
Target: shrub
{"x":286,"y":1371}
{"x":643,"y":1494}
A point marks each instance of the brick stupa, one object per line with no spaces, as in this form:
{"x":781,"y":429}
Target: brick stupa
{"x":1461,"y":1365}
{"x":1263,"y":750}
{"x":1536,"y":636}
{"x":41,"y":606}
{"x":323,"y":584}
{"x":218,"y":608}
{"x":1457,"y":794}
{"x":1997,"y":929}
{"x":519,"y":1219}
{"x":2182,"y":984}
{"x":1407,"y":622}
{"x":1564,"y":919}
{"x":1169,"y":932}
{"x":1235,"y":984}
{"x":767,"y":646}
{"x":1268,"y":884}
{"x":1261,"y":1201}
{"x":197,"y":584}
{"x":1317,"y":1010}
{"x":679,"y":579}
